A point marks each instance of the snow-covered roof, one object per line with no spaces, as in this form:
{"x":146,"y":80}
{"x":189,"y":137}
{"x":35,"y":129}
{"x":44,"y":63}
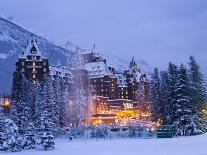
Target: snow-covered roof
{"x":121,"y":80}
{"x":32,"y":48}
{"x":97,"y":69}
{"x":61,"y":71}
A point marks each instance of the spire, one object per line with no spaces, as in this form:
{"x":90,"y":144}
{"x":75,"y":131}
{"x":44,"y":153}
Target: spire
{"x":133,"y":62}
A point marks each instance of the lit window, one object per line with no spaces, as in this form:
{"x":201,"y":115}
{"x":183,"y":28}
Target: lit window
{"x":102,"y":90}
{"x":34,"y":76}
{"x":33,"y":64}
{"x":33,"y":69}
{"x":122,"y":96}
{"x":44,"y":70}
{"x":126,"y":92}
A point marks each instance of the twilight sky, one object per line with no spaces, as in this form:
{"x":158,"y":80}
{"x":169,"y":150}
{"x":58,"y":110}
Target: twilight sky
{"x":157,"y":31}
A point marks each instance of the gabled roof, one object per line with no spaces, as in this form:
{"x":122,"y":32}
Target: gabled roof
{"x":32,"y":46}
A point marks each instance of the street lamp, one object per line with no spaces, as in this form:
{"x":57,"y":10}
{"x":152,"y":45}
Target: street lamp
{"x":6,"y":103}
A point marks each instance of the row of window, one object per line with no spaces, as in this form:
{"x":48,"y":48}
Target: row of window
{"x":34,"y":64}
{"x":34,"y":70}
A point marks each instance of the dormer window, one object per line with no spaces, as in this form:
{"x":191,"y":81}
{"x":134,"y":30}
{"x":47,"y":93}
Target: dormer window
{"x":33,"y":50}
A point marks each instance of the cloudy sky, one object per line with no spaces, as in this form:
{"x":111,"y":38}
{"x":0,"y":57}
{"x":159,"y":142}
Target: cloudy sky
{"x":157,"y":31}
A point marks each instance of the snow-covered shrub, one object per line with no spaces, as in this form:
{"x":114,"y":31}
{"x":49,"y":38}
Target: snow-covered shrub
{"x":99,"y":132}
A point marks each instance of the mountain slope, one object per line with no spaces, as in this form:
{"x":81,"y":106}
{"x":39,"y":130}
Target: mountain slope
{"x":13,"y":40}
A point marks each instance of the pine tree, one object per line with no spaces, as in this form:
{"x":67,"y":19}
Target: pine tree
{"x":46,"y":138}
{"x":11,"y":139}
{"x":29,"y":140}
{"x":63,"y":107}
{"x":155,"y":96}
{"x":164,"y":91}
{"x":197,"y":88}
{"x":170,"y":106}
{"x":46,"y":102}
{"x":2,"y":128}
{"x":184,"y":118}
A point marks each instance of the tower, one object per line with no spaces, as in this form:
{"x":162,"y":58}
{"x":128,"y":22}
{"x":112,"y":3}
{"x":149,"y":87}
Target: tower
{"x":31,"y":63}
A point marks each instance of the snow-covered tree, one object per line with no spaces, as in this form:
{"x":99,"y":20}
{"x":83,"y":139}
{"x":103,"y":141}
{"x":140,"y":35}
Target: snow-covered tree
{"x":155,"y":96}
{"x":63,"y":105}
{"x":29,"y":140}
{"x":2,"y":128}
{"x":164,"y":92}
{"x":46,"y":101}
{"x":11,"y":139}
{"x":45,"y":135}
{"x":197,"y":88}
{"x":184,"y":118}
{"x":170,"y":106}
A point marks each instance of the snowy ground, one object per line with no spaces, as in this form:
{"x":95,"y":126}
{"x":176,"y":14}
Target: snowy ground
{"x":195,"y":145}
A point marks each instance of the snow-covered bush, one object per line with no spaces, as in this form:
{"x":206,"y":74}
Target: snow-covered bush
{"x":99,"y":132}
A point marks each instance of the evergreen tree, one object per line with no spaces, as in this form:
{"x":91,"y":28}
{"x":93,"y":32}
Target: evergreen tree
{"x":46,"y":101}
{"x":197,"y":88}
{"x":46,"y":138}
{"x":29,"y":140}
{"x":63,"y":107}
{"x":184,"y":118}
{"x":170,"y":107}
{"x":155,"y":96}
{"x":11,"y":139}
{"x":58,"y":94}
{"x":2,"y":128}
{"x":164,"y":91}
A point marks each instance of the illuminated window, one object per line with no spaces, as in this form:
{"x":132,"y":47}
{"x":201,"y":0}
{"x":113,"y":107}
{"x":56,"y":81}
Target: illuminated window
{"x":44,"y":70}
{"x":122,"y":96}
{"x":34,"y":76}
{"x":102,"y":90}
{"x":33,"y":69}
{"x":126,"y":92}
{"x":33,"y":64}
